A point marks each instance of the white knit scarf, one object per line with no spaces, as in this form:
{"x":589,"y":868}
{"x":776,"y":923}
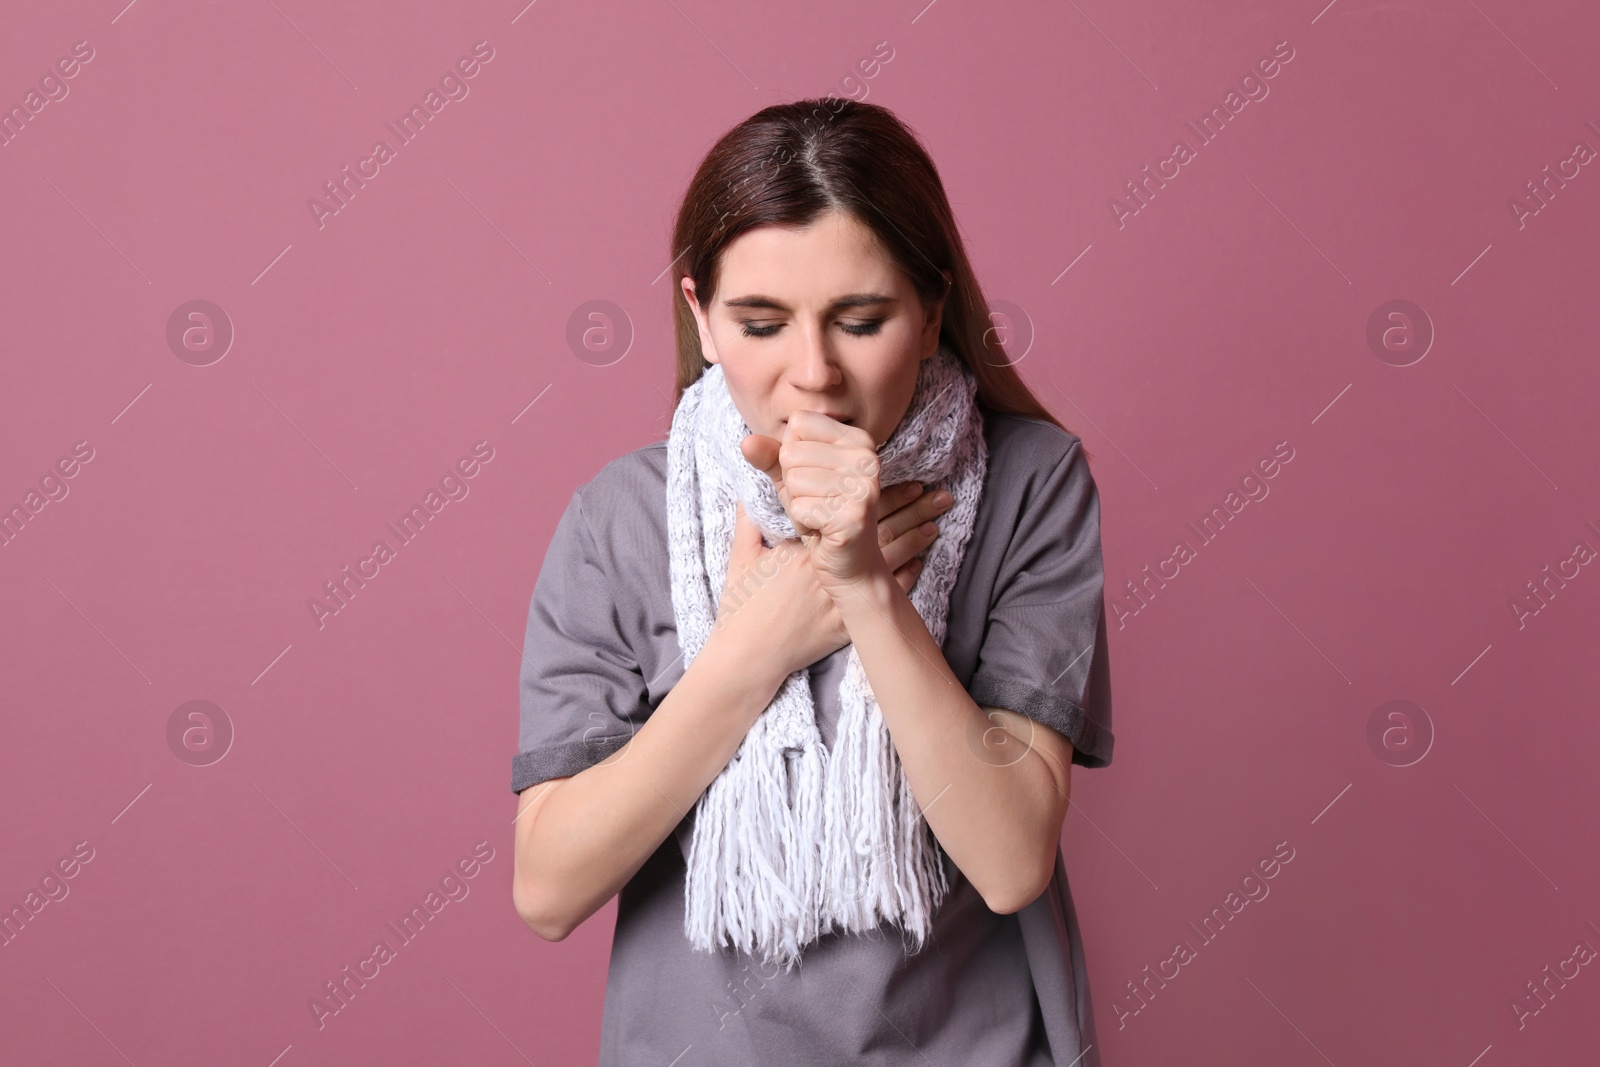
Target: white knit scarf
{"x":792,"y":839}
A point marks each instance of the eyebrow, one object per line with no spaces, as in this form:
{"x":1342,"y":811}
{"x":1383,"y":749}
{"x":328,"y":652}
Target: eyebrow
{"x":853,"y":300}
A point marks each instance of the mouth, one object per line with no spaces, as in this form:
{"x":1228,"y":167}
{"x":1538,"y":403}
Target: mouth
{"x":848,"y":421}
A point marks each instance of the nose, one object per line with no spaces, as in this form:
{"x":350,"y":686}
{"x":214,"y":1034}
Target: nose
{"x":812,"y":369}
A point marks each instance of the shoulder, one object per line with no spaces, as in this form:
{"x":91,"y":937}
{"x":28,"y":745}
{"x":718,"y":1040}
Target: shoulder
{"x":623,"y":505}
{"x":1027,"y":451}
{"x":624,"y":479}
{"x":1038,"y":493}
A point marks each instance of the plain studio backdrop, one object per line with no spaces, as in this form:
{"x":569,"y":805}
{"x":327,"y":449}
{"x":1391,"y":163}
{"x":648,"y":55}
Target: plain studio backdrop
{"x":230,"y":370}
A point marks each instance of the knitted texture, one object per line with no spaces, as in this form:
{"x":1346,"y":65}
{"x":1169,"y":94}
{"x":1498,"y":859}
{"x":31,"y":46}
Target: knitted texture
{"x":791,"y":839}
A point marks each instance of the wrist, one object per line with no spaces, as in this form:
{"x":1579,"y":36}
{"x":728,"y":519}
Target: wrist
{"x":871,"y":595}
{"x":743,"y":662}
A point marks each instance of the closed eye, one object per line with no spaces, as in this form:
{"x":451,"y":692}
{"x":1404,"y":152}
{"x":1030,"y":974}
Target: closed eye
{"x":854,"y":329}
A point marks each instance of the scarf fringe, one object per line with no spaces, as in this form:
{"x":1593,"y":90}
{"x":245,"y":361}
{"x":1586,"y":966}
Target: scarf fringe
{"x":792,"y":840}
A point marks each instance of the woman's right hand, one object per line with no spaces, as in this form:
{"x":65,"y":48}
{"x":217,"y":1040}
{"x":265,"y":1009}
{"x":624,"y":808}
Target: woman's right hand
{"x":774,"y":607}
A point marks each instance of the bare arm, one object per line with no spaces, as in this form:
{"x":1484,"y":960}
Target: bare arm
{"x":579,"y":839}
{"x":999,"y":819}
{"x":995,"y":803}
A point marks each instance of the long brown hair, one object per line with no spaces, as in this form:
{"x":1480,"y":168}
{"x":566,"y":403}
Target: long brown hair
{"x":788,"y":164}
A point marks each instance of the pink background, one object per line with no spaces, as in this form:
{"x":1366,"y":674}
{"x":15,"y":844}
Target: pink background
{"x":372,"y":753}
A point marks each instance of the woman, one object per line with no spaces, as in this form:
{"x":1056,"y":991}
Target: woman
{"x":814,"y":670}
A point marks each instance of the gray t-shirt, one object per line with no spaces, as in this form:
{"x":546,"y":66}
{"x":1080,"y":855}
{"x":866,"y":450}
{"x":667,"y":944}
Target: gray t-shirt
{"x":1026,"y":632}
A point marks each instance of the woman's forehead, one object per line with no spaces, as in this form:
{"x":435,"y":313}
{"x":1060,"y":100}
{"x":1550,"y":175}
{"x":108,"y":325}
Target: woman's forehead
{"x":816,"y":265}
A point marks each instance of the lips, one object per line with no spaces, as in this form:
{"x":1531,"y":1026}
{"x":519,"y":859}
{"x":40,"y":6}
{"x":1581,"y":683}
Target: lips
{"x":837,"y":418}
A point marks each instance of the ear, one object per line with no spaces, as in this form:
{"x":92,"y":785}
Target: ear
{"x":935,"y":319}
{"x":707,"y":348}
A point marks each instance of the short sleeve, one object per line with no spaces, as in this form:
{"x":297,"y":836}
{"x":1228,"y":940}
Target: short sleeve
{"x":1044,"y":649}
{"x":582,"y":692}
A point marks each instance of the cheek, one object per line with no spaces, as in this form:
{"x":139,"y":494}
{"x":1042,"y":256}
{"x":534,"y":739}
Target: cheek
{"x":751,"y":395}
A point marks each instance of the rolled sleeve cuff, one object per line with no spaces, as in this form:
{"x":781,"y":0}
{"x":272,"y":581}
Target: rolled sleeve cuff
{"x":1091,"y":743}
{"x":562,"y":761}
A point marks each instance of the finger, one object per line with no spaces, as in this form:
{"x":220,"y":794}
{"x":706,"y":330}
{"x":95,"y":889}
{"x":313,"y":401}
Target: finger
{"x":925,"y":508}
{"x":904,"y":548}
{"x":828,"y":456}
{"x":896,"y":496}
{"x":746,"y":536}
{"x":907,"y":575}
{"x":807,"y":425}
{"x":831,"y":482}
{"x":762,"y":453}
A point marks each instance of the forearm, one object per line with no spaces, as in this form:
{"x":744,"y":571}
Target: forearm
{"x":600,"y":826}
{"x":999,"y":819}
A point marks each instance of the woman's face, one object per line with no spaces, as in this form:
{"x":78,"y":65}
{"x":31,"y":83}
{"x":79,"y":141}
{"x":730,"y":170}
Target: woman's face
{"x":816,"y":319}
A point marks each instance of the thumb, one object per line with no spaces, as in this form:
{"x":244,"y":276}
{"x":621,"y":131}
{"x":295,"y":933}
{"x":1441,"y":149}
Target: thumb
{"x":762,"y":453}
{"x":746,"y":536}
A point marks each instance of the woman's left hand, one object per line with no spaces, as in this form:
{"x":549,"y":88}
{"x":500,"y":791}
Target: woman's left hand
{"x":826,"y":474}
